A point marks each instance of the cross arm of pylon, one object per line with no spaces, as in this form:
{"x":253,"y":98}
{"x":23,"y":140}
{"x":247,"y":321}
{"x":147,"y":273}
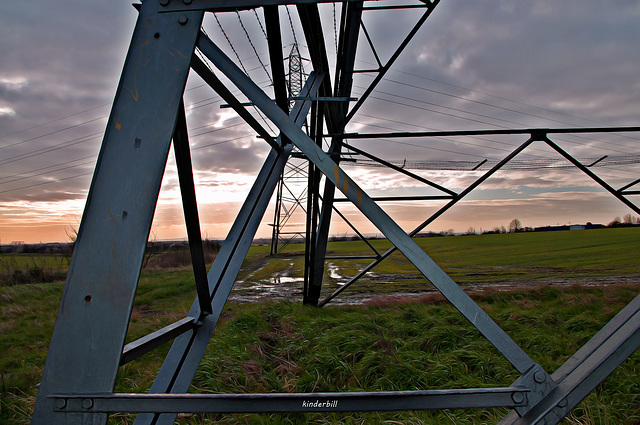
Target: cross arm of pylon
{"x":230,"y":5}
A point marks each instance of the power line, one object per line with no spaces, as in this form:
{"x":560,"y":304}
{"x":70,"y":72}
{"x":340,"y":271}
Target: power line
{"x":335,"y":27}
{"x":206,"y":61}
{"x":260,"y":23}
{"x":222,"y":142}
{"x":252,"y":46}
{"x":215,"y":15}
{"x":52,"y":121}
{"x":52,"y":132}
{"x":445,"y":107}
{"x":496,"y":106}
{"x":431,"y":147}
{"x":492,"y":106}
{"x":493,"y":96}
{"x":510,"y":146}
{"x":293,"y":30}
{"x":479,"y":121}
{"x":44,"y":183}
{"x":475,"y":101}
{"x":52,"y":148}
{"x":47,"y":168}
{"x":68,"y":127}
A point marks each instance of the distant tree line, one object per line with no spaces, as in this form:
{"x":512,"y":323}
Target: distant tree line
{"x":515,"y":226}
{"x":627,"y":220}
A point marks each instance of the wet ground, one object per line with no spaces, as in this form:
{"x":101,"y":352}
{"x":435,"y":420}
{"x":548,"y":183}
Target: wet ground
{"x":282,"y":286}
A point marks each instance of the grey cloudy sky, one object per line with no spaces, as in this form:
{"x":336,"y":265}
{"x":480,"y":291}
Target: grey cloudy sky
{"x":486,"y":64}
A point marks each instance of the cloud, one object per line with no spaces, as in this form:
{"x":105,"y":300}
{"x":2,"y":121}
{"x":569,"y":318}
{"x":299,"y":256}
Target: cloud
{"x":6,"y":111}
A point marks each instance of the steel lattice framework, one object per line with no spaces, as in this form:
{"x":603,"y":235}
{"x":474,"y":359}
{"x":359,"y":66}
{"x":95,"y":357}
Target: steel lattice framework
{"x":87,"y":345}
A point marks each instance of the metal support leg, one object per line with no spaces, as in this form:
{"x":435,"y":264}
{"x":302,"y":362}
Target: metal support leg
{"x":92,"y":322}
{"x":344,"y":80}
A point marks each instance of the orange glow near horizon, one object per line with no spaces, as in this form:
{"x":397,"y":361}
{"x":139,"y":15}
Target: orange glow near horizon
{"x":54,"y":222}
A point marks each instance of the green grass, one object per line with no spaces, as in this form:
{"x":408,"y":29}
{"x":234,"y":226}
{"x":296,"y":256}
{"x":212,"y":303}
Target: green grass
{"x":517,"y":258}
{"x":286,"y":347}
{"x":417,"y":343}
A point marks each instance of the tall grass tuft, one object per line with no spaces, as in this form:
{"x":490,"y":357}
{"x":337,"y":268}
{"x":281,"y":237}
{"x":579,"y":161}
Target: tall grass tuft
{"x":35,"y":269}
{"x":177,"y":255}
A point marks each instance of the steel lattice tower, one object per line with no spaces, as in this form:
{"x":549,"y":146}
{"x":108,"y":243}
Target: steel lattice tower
{"x":88,"y":343}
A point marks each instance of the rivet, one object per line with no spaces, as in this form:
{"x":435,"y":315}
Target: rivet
{"x":87,"y":299}
{"x":164,"y":2}
{"x":563,"y":403}
{"x":156,"y":35}
{"x":124,"y":215}
{"x":518,"y":398}
{"x":60,"y":403}
{"x":138,"y":142}
{"x":87,"y":403}
{"x":183,"y":20}
{"x":187,"y":1}
{"x":539,"y":377}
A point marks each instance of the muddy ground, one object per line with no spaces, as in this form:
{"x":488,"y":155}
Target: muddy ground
{"x":288,"y":285}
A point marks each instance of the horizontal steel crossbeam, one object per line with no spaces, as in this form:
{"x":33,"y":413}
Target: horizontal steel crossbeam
{"x":231,"y":5}
{"x":532,"y":131}
{"x":297,"y":402}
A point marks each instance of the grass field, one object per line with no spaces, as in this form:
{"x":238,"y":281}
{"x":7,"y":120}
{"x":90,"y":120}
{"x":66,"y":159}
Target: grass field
{"x":386,"y":344}
{"x":584,"y":257}
{"x":17,"y":269}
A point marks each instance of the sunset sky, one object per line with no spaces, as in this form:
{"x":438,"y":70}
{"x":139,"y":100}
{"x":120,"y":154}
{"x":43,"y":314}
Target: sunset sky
{"x":485,"y":64}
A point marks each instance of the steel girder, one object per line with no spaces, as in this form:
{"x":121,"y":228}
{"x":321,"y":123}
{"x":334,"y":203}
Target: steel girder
{"x":89,"y":333}
{"x":88,"y":341}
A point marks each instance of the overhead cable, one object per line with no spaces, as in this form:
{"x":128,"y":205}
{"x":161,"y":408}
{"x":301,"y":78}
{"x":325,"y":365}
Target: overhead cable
{"x":252,"y":45}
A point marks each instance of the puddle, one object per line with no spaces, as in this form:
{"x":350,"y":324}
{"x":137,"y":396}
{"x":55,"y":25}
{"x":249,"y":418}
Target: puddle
{"x":334,"y":273}
{"x":276,"y":288}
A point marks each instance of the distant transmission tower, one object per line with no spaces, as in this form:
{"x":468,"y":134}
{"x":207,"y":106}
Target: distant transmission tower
{"x":296,"y":73}
{"x":288,"y":199}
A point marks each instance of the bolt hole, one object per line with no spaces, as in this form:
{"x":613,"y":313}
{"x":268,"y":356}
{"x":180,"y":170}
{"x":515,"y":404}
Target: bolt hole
{"x":156,"y":35}
{"x":87,"y":299}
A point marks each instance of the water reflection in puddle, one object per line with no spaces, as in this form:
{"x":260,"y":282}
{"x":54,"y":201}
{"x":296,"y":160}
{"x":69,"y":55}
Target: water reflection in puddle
{"x":275,"y":288}
{"x":334,"y":273}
